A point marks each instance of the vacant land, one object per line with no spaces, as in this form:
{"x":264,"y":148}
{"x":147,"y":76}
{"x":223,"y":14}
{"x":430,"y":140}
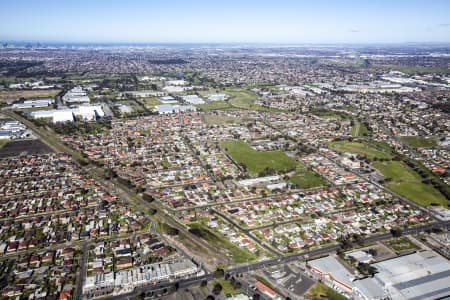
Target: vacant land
{"x":245,"y":99}
{"x":258,"y":161}
{"x":329,"y":114}
{"x":418,"y":142}
{"x":238,"y":255}
{"x":402,"y":244}
{"x":9,"y":96}
{"x":149,"y":103}
{"x":242,"y":98}
{"x":406,"y":182}
{"x":359,"y":149}
{"x":320,"y":291}
{"x":214,"y":105}
{"x":412,"y":70}
{"x":359,"y":129}
{"x":307,"y":179}
{"x":15,"y":148}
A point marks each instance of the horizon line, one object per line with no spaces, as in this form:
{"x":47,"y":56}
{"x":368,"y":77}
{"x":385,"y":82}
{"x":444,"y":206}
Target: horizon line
{"x":268,"y":43}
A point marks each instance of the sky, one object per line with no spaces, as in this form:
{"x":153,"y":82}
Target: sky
{"x":212,"y":21}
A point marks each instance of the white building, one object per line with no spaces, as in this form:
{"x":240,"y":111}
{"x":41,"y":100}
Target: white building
{"x":84,"y":112}
{"x":169,"y":108}
{"x":34,"y":103}
{"x":167,"y":100}
{"x":76,"y":95}
{"x":421,"y":275}
{"x":126,"y":280}
{"x":177,"y":82}
{"x":193,"y":99}
{"x":217,"y":97}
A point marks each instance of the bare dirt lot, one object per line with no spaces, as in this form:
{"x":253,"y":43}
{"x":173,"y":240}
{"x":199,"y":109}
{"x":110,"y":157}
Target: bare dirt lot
{"x":15,"y":148}
{"x":9,"y":96}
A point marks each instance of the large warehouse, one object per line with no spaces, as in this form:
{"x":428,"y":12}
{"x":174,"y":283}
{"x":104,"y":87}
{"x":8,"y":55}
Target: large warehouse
{"x":421,"y":275}
{"x":85,"y":112}
{"x":418,"y":276}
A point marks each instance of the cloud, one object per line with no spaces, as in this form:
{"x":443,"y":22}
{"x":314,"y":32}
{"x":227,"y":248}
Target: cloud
{"x":354,"y":29}
{"x":444,"y":24}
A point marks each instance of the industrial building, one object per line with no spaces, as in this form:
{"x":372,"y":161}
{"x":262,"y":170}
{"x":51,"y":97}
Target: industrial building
{"x":10,"y":129}
{"x":33,"y":103}
{"x":76,"y":95}
{"x":417,"y":276}
{"x":193,"y":99}
{"x":329,"y":268}
{"x":422,"y":275}
{"x":167,"y":100}
{"x":169,"y":108}
{"x":126,"y":280}
{"x":84,"y":112}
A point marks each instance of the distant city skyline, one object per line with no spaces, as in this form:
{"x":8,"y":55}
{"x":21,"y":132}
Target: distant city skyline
{"x":233,"y":21}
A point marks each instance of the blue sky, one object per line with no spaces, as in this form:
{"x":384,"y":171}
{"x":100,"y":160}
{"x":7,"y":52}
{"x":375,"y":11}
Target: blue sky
{"x":277,"y":21}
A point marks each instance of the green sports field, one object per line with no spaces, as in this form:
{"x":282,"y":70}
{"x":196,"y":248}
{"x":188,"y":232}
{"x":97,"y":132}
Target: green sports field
{"x":358,"y":149}
{"x":258,"y":161}
{"x":406,"y":182}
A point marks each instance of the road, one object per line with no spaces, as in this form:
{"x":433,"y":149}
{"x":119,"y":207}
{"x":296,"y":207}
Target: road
{"x":272,"y":262}
{"x":248,"y":233}
{"x":141,"y":205}
{"x":332,"y":248}
{"x":82,"y":271}
{"x":161,"y":286}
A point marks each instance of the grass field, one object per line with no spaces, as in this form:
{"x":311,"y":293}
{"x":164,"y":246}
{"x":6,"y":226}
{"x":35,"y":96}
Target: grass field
{"x":307,"y":179}
{"x":402,"y":244}
{"x":411,"y":70}
{"x":258,"y":161}
{"x":149,"y":102}
{"x":242,"y":98}
{"x":320,"y":291}
{"x":245,"y":99}
{"x":417,"y":141}
{"x":214,"y":105}
{"x":13,"y":95}
{"x":359,"y":149}
{"x":227,"y":288}
{"x":3,"y":143}
{"x":359,"y":129}
{"x":406,"y":182}
{"x":329,"y":114}
{"x":238,"y":255}
{"x":382,"y":146}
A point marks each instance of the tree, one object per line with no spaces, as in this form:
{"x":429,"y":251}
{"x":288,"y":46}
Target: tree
{"x":396,"y":232}
{"x":372,"y":251}
{"x":218,"y":273}
{"x":217,"y":289}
